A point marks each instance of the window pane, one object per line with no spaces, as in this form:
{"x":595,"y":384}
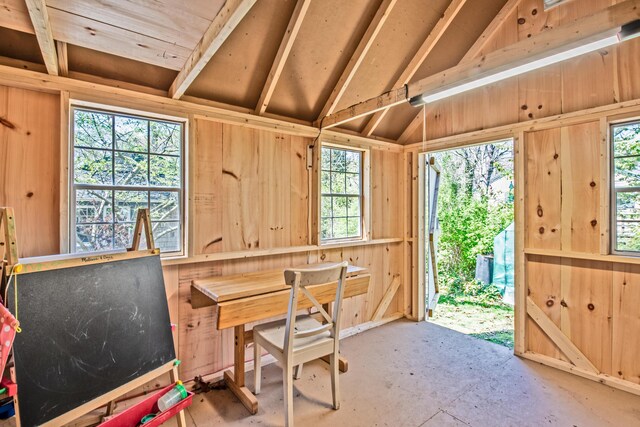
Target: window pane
{"x":353,"y":226}
{"x":92,"y":129}
{"x":93,"y":206}
{"x":165,"y":171}
{"x":167,"y":235}
{"x":326,"y":182}
{"x":353,"y":162}
{"x":627,"y":172}
{"x":353,"y":183}
{"x":166,"y":138}
{"x":124,"y":236}
{"x":165,"y":206}
{"x":340,"y":228}
{"x":338,"y":160}
{"x":338,"y":185}
{"x":353,"y":206}
{"x":92,"y":166}
{"x":325,"y":228}
{"x":326,"y":158}
{"x":626,"y":140}
{"x":128,"y":203}
{"x":628,"y":238}
{"x":131,"y":134}
{"x":93,"y":237}
{"x":131,"y":169}
{"x":628,"y":206}
{"x":326,"y":211}
{"x":339,"y":206}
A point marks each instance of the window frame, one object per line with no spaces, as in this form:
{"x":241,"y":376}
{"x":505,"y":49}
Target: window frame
{"x":364,"y":194}
{"x":181,"y":190}
{"x":613,"y":193}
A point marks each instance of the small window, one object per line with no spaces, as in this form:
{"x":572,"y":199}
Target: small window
{"x":625,"y":187}
{"x":122,"y":163}
{"x":341,"y":194}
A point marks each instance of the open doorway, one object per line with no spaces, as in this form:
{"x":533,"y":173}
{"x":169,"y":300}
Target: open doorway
{"x":468,"y":223}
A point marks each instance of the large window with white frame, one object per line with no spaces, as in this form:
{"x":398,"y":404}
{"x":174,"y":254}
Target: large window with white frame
{"x":625,"y":183}
{"x":341,"y":203}
{"x":120,"y":163}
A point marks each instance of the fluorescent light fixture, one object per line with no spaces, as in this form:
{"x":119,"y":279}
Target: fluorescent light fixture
{"x":608,"y":39}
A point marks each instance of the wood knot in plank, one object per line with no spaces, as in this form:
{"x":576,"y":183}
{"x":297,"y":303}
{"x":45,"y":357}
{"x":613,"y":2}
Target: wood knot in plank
{"x":592,"y":184}
{"x":539,"y":211}
{"x":7,"y":123}
{"x":521,"y":21}
{"x":564,"y":303}
{"x":550,"y":303}
{"x":228,"y":172}
{"x":323,"y":257}
{"x":591,"y":307}
{"x":594,"y":222}
{"x":541,"y":230}
{"x":30,"y":194}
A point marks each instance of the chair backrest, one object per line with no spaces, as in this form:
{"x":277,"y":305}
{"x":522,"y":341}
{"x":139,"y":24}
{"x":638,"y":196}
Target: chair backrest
{"x":301,"y":278}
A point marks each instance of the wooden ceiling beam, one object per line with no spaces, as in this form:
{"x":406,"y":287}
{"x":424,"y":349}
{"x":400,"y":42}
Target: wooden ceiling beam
{"x":221,"y":27}
{"x":358,"y":56}
{"x":549,"y":42}
{"x":473,"y":52}
{"x":418,"y":59}
{"x":42,"y":27}
{"x":63,"y":58}
{"x":302,"y":6}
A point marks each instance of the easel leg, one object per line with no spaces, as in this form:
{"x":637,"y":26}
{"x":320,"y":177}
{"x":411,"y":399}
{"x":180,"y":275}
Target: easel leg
{"x":182,"y":422}
{"x":343,"y":364}
{"x":236,"y":382}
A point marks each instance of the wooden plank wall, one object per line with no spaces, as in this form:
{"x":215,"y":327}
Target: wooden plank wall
{"x":249,"y":190}
{"x":599,"y":78}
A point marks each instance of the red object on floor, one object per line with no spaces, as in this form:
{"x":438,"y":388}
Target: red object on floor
{"x":11,"y":387}
{"x":131,"y":417}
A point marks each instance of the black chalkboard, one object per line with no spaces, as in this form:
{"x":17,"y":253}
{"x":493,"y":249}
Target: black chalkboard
{"x":87,"y":330}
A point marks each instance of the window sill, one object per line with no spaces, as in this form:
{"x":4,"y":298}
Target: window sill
{"x":618,"y":259}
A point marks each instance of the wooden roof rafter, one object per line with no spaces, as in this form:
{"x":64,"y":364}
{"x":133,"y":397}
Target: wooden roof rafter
{"x":418,"y":59}
{"x":220,"y":29}
{"x":358,"y":56}
{"x":474,"y":51}
{"x":63,"y":58}
{"x":42,"y":28}
{"x":302,"y":6}
{"x":549,"y":42}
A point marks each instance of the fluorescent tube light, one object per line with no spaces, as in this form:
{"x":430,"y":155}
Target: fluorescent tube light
{"x":518,"y":70}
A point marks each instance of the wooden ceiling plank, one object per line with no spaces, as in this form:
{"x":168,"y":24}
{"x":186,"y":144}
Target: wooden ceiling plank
{"x":221,"y":27}
{"x":491,"y":29}
{"x":549,"y":42}
{"x":411,"y":129}
{"x":15,"y":16}
{"x":302,"y":6}
{"x":63,"y":58}
{"x":418,"y":59}
{"x":42,"y":27}
{"x":358,"y":56}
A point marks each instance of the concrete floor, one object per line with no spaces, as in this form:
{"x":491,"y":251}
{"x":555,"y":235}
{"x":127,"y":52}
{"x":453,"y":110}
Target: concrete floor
{"x":410,"y":374}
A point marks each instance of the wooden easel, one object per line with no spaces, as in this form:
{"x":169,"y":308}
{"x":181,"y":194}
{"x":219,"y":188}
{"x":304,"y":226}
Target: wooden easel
{"x":9,"y":252}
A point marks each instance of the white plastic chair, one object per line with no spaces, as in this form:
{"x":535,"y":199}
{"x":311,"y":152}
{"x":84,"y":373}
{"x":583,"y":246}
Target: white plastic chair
{"x":300,"y":339}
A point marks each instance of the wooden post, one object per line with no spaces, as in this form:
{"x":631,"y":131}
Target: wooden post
{"x":8,"y":236}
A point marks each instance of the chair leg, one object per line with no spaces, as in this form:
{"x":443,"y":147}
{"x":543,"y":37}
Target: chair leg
{"x":287,"y":377}
{"x":334,"y":363}
{"x":298,"y":372}
{"x":257,"y":367}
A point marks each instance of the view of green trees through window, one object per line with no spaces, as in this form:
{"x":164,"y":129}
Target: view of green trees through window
{"x":626,"y":188}
{"x":120,"y":164}
{"x":341,"y":194}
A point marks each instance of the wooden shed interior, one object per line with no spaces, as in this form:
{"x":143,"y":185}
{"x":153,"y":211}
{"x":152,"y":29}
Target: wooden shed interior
{"x":256,"y":90}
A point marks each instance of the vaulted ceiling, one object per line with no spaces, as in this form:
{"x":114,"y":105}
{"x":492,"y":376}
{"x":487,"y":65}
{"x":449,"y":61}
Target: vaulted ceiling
{"x":298,"y":59}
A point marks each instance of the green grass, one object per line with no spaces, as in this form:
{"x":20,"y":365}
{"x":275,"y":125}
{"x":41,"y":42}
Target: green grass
{"x":491,"y":321}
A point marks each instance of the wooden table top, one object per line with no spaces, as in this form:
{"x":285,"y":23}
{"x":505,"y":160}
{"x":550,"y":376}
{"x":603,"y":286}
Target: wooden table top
{"x":230,"y":287}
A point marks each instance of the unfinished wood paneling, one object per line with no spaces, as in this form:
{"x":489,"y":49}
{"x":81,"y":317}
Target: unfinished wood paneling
{"x":542,"y":189}
{"x":626,"y":323}
{"x":206,"y":178}
{"x":386,"y":203}
{"x":29,"y":167}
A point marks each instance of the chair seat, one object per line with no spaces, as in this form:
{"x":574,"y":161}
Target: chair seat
{"x":271,"y":336}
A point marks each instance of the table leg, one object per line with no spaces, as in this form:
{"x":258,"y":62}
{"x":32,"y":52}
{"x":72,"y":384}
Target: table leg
{"x":235,"y":382}
{"x":343,"y":364}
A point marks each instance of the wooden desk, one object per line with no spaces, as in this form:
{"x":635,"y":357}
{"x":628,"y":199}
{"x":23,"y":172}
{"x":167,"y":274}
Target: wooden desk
{"x":249,"y":297}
